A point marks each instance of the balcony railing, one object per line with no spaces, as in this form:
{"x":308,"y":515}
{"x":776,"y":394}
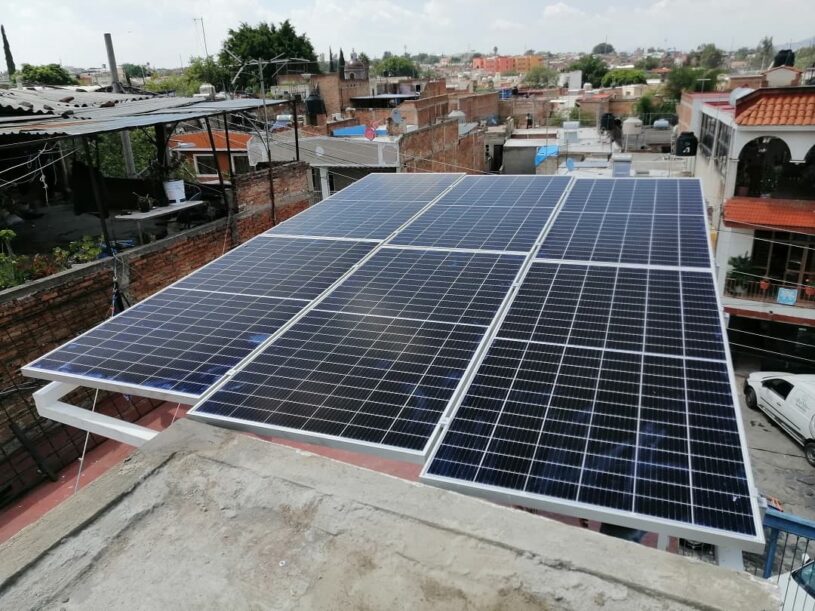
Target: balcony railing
{"x":756,"y":290}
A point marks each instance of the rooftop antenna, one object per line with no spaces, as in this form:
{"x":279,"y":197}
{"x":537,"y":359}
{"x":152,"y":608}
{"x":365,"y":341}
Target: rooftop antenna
{"x":203,"y":34}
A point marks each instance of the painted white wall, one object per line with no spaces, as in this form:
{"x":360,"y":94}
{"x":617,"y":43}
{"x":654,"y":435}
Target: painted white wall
{"x":731,"y":242}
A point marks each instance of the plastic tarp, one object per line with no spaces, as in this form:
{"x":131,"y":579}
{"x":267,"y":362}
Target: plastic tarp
{"x":544,"y":152}
{"x":357,"y":130}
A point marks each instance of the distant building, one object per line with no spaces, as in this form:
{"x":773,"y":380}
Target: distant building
{"x":195,"y":148}
{"x":355,"y":69}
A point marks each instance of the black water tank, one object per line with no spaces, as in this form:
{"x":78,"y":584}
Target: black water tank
{"x":785,"y":57}
{"x":686,"y":145}
{"x":315,"y":104}
{"x":607,"y":121}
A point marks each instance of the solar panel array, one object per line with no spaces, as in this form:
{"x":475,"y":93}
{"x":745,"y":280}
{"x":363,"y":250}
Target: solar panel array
{"x":548,"y":341}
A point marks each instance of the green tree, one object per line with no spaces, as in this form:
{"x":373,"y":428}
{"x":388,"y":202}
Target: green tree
{"x":593,"y":68}
{"x":541,"y":76}
{"x":10,"y":67}
{"x":602,"y":48}
{"x":529,"y":52}
{"x":765,"y":51}
{"x":49,"y":74}
{"x":264,"y":41}
{"x":805,"y":57}
{"x":136,"y":70}
{"x":395,"y":66}
{"x":365,"y":59}
{"x":623,"y":76}
{"x":181,"y":84}
{"x":690,"y":79}
{"x":207,"y":70}
{"x":742,"y":53}
{"x":706,"y":56}
{"x":647,"y":64}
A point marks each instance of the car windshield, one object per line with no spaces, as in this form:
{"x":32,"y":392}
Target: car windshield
{"x":805,"y":577}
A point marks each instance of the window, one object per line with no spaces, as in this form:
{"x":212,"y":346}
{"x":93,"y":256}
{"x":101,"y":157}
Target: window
{"x":780,"y":387}
{"x":240,"y":164}
{"x":205,"y":165}
{"x":805,"y":577}
{"x":708,"y":134}
{"x":723,"y":147}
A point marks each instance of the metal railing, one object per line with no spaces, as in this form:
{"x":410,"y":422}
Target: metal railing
{"x":758,"y":290}
{"x":789,"y":558}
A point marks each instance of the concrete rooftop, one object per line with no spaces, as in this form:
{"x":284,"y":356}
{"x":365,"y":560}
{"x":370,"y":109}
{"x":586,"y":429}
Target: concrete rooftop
{"x":202,"y":517}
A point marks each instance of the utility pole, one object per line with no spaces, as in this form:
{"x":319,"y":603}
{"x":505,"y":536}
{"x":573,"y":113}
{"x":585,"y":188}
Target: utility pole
{"x":294,"y":99}
{"x":268,"y":143}
{"x":116,"y":86}
{"x":203,"y":34}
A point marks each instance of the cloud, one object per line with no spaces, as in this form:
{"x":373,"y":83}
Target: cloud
{"x":504,"y":25}
{"x":561,"y":9}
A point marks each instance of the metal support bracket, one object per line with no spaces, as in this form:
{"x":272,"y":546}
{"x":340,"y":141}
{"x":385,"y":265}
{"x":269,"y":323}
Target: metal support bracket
{"x":48,"y":403}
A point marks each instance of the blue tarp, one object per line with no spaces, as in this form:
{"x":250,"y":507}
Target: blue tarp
{"x":357,"y":130}
{"x":544,"y":152}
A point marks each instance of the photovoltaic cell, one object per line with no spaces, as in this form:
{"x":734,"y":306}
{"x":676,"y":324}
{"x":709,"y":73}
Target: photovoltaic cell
{"x":643,"y":221}
{"x":279,"y":267}
{"x":428,"y":285}
{"x":487,"y":213}
{"x":178,"y":340}
{"x":372,"y":208}
{"x":648,"y":435}
{"x":370,"y":379}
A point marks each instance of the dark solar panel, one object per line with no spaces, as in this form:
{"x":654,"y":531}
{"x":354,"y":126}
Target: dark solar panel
{"x":657,"y":222}
{"x":428,"y":285}
{"x":487,"y":213}
{"x":371,"y":379}
{"x":372,"y":208}
{"x":658,"y":311}
{"x":178,"y":340}
{"x":279,"y":267}
{"x":655,"y":436}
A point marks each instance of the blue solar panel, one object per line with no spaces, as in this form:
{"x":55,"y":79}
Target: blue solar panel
{"x":371,"y":379}
{"x":372,"y":208}
{"x":672,"y":312}
{"x":279,"y":267}
{"x":658,"y":222}
{"x":179,"y":340}
{"x":509,"y":218}
{"x":428,"y":285}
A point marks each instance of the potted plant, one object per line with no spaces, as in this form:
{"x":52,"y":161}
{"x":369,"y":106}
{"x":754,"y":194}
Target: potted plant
{"x":740,"y":272}
{"x":764,"y":284}
{"x":809,"y":287}
{"x":177,"y":171}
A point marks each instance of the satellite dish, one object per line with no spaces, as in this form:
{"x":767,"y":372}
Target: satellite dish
{"x":319,"y":151}
{"x":570,"y":164}
{"x":396,"y":116}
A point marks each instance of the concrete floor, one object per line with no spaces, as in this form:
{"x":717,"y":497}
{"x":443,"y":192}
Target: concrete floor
{"x":779,"y":466}
{"x":207,"y":518}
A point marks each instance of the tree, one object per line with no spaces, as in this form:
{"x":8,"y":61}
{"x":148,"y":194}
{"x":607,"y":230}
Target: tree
{"x":366,"y":61}
{"x":765,"y":51}
{"x":477,"y":55}
{"x":264,"y":41}
{"x":686,"y":78}
{"x":593,"y":68}
{"x":50,"y":74}
{"x":529,"y":52}
{"x":647,"y":64}
{"x":805,"y":57}
{"x":623,"y":76}
{"x":706,"y":56}
{"x":10,"y":67}
{"x":742,"y":53}
{"x":207,"y":70}
{"x":541,"y":76}
{"x":603,"y":48}
{"x":135,"y":71}
{"x":495,"y":50}
{"x":182,"y":84}
{"x":395,"y":66}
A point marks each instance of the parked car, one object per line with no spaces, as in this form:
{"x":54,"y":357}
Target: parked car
{"x":797,"y":588}
{"x":789,"y":400}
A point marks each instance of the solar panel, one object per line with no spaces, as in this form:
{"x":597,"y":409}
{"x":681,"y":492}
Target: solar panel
{"x":178,"y":340}
{"x":279,"y":267}
{"x":451,"y":287}
{"x":358,"y":379}
{"x":645,"y":221}
{"x":372,"y":208}
{"x":487,"y":213}
{"x":183,"y":339}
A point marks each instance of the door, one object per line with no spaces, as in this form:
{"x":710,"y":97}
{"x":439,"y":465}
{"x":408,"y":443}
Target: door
{"x":774,"y":392}
{"x":800,"y":410}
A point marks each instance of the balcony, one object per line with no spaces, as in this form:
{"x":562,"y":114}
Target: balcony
{"x":751,"y":290}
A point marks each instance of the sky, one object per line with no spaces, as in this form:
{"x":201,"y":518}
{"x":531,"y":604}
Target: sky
{"x":165,"y":33}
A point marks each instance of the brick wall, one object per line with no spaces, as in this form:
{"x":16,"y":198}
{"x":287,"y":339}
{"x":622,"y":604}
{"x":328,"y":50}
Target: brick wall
{"x":439,"y":148}
{"x":476,"y":106}
{"x":425,"y":111}
{"x":517,"y":108}
{"x":434,"y":88}
{"x":337,"y":93}
{"x":44,"y":314}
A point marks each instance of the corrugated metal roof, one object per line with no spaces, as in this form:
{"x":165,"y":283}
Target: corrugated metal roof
{"x":325,"y":151}
{"x":56,"y":101}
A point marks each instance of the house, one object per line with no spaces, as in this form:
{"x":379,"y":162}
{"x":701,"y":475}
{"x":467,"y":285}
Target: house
{"x":756,"y":159}
{"x":195,"y":148}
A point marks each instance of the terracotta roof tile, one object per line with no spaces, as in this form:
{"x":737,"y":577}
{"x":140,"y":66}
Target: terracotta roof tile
{"x":788,"y":214}
{"x":200,"y":140}
{"x":778,"y":108}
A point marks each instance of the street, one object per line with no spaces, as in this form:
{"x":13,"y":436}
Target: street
{"x":779,"y":466}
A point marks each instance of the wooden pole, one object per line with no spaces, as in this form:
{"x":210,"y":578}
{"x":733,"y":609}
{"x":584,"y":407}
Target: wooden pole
{"x":100,"y":207}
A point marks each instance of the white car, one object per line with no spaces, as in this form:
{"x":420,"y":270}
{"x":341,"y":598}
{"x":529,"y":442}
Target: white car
{"x":797,"y":588}
{"x":789,"y":400}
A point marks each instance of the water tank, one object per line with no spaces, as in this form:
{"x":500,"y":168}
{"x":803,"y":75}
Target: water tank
{"x":314,"y":104}
{"x":686,"y":145}
{"x":457,"y":115}
{"x":207,"y":90}
{"x":785,"y":57}
{"x":632,"y":126}
{"x":586,"y":86}
{"x":662,"y":124}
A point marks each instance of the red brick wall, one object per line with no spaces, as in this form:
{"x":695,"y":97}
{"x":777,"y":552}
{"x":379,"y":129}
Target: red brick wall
{"x":476,"y":106}
{"x":517,"y":108}
{"x":337,"y":93}
{"x":434,"y":88}
{"x":425,"y":111}
{"x":438,"y":148}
